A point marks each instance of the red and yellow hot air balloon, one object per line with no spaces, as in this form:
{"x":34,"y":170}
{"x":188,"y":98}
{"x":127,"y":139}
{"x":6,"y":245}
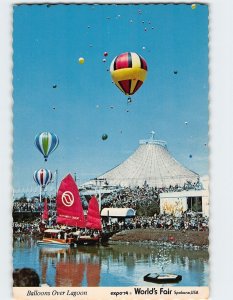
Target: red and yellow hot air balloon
{"x":128,"y":71}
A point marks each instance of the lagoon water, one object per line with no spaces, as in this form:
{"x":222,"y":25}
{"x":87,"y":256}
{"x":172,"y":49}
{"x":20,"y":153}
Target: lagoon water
{"x":112,"y":265}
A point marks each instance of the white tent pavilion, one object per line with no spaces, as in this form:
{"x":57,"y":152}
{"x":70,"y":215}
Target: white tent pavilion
{"x":150,"y":164}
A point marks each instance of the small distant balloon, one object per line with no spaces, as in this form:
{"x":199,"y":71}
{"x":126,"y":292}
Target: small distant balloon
{"x":186,"y":123}
{"x":143,"y":22}
{"x":104,"y":60}
{"x":105,"y":54}
{"x":54,"y":86}
{"x":175,"y":72}
{"x":193,"y":6}
{"x":145,"y":29}
{"x":143,"y":48}
{"x":42,"y":177}
{"x":81,"y":60}
{"x":104,"y":137}
{"x":131,"y":21}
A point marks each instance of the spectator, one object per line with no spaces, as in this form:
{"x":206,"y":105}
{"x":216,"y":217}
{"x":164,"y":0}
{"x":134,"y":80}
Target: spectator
{"x":25,"y":277}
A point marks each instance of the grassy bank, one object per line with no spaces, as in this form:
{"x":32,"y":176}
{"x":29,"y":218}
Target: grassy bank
{"x":196,"y":238}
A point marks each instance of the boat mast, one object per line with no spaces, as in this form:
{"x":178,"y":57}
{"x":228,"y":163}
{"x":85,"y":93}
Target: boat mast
{"x":98,"y":183}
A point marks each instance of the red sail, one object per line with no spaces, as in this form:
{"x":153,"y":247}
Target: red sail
{"x":69,"y":204}
{"x":45,"y":215}
{"x":93,"y":215}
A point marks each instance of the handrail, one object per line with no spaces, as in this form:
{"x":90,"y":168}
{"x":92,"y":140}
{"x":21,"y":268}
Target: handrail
{"x":155,"y":142}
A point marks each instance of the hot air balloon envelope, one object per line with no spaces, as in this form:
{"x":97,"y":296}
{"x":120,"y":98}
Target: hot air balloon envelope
{"x":128,"y":71}
{"x":46,"y":143}
{"x":43,"y":177}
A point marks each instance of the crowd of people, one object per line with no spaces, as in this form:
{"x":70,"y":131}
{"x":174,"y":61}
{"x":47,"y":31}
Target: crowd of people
{"x":130,"y":197}
{"x":187,"y":221}
{"x":121,"y":197}
{"x":33,"y":205}
{"x":27,"y":227}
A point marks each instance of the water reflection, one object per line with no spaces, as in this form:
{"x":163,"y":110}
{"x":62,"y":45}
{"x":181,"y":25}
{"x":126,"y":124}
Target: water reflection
{"x":114,"y":265}
{"x":71,"y":267}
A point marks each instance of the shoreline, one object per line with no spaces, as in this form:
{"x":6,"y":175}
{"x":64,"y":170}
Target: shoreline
{"x":186,"y":239}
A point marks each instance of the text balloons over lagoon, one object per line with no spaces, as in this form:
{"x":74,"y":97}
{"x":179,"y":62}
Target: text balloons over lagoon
{"x":128,"y":71}
{"x":42,"y":177}
{"x":46,"y":143}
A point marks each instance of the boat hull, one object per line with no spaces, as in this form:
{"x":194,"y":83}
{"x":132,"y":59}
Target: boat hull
{"x":54,"y":243}
{"x":87,"y":240}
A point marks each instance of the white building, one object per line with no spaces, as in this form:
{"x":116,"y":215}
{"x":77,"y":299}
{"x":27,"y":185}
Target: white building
{"x":191,"y":200}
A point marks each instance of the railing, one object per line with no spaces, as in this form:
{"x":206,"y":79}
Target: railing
{"x":155,"y":142}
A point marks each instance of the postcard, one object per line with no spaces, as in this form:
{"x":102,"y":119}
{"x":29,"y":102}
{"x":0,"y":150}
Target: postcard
{"x":110,"y":151}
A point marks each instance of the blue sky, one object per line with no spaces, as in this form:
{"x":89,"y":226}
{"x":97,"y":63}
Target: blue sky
{"x":47,"y":43}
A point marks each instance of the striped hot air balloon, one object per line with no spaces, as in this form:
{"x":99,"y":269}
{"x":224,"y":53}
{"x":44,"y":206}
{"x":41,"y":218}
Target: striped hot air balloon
{"x":42,"y":177}
{"x":128,"y":71}
{"x":46,"y":143}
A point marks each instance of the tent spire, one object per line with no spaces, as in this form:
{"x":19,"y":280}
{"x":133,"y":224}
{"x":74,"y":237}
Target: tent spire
{"x":152,"y":135}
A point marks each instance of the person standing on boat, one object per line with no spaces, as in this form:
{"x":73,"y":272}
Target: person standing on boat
{"x":95,"y":234}
{"x":78,"y":233}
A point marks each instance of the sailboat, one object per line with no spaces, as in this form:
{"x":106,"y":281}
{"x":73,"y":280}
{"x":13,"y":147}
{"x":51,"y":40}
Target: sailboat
{"x":44,"y":217}
{"x":93,"y":225}
{"x":69,"y":213}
